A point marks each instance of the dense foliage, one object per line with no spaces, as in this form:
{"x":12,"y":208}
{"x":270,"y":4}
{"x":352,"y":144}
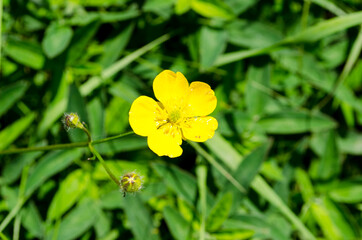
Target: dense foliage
{"x":283,"y":164}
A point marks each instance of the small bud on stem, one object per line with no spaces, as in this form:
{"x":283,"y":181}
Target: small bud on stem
{"x":131,"y":182}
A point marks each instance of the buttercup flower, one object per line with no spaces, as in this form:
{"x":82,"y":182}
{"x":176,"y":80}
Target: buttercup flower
{"x":181,"y":113}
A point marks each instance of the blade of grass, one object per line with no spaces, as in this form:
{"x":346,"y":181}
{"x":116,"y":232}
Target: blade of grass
{"x":260,"y":186}
{"x":351,"y":60}
{"x":263,"y":189}
{"x":109,"y":72}
{"x":21,"y":200}
{"x":220,"y":168}
{"x":305,"y":13}
{"x":201,"y":172}
{"x":330,"y":6}
{"x":17,"y":223}
{"x":240,"y":55}
{"x":311,"y":34}
{"x":326,"y":28}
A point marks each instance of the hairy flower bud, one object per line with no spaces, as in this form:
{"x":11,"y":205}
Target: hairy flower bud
{"x":130,"y":183}
{"x":72,"y":120}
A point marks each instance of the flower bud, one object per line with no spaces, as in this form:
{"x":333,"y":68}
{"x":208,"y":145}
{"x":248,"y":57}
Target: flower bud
{"x":131,"y":182}
{"x":72,"y":120}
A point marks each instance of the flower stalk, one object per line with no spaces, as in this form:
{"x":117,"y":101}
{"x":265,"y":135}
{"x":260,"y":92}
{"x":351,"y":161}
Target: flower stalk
{"x":62,"y":146}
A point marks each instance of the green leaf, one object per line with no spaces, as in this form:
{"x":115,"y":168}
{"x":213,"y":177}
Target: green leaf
{"x":103,"y":224}
{"x":291,"y":122}
{"x":24,"y":52}
{"x":162,"y":8}
{"x":305,"y":184}
{"x":251,"y":164}
{"x":255,"y":99}
{"x":77,"y":105}
{"x":56,"y":39}
{"x":329,"y":166}
{"x":55,"y":109}
{"x":271,"y":171}
{"x":334,"y":54}
{"x":124,"y":91}
{"x":109,"y":17}
{"x":330,"y":6}
{"x":32,"y":221}
{"x":178,"y":226}
{"x":183,"y":184}
{"x":71,"y":189}
{"x":117,"y":111}
{"x":79,"y":220}
{"x":238,"y":6}
{"x":347,"y":192}
{"x":233,"y":234}
{"x":139,"y":218}
{"x":125,"y":144}
{"x":212,"y":43}
{"x":310,"y":34}
{"x":11,"y":94}
{"x":262,"y":188}
{"x":326,"y":28}
{"x":212,"y":9}
{"x":219,"y":146}
{"x":331,"y":220}
{"x":49,"y":165}
{"x":115,"y":46}
{"x":258,"y":224}
{"x":12,"y":169}
{"x":219,"y":212}
{"x":13,"y":131}
{"x":351,"y":143}
{"x":80,"y":40}
{"x":252,"y":34}
{"x":112,"y":200}
{"x":182,"y":6}
{"x":96,"y":118}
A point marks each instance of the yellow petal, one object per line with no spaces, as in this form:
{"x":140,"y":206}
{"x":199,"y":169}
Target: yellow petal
{"x":170,"y":88}
{"x":166,"y":141}
{"x":199,"y":129}
{"x":143,"y":115}
{"x":201,"y":100}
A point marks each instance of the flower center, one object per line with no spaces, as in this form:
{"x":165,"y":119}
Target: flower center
{"x":174,"y":116}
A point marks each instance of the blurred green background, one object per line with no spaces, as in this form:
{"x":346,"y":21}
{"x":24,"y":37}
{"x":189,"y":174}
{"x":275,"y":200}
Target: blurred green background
{"x":285,"y":162}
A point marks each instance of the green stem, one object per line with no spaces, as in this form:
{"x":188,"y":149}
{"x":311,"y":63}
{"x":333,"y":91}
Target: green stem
{"x":12,"y":214}
{"x":111,"y":175}
{"x":201,"y":172}
{"x":21,"y":199}
{"x":112,"y":138}
{"x":62,"y":146}
{"x":88,"y":134}
{"x":305,"y":13}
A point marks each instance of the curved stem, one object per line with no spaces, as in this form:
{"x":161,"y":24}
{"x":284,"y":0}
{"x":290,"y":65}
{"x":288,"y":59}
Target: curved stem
{"x":111,"y":175}
{"x":62,"y":146}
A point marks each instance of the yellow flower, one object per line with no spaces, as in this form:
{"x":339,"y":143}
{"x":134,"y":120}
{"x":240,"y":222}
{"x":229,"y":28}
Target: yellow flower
{"x":181,"y":113}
